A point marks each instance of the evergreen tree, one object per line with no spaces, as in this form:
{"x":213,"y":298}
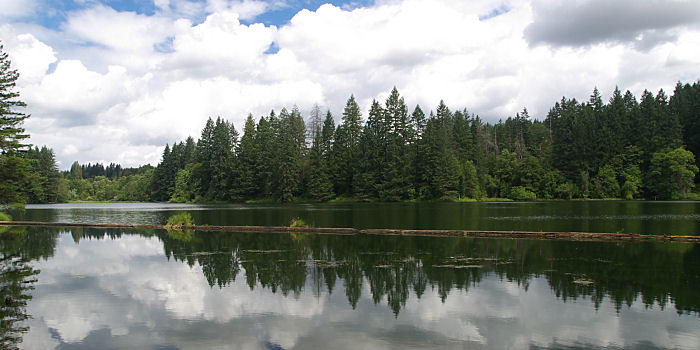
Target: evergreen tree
{"x":15,"y":172}
{"x":439,"y":166}
{"x":396,"y":177}
{"x":202,"y":171}
{"x":685,"y":103}
{"x":246,"y":184}
{"x":321,"y":186}
{"x":266,"y":159}
{"x":221,"y":158}
{"x":292,"y":146}
{"x":346,"y":147}
{"x":11,"y":132}
{"x":371,"y":165}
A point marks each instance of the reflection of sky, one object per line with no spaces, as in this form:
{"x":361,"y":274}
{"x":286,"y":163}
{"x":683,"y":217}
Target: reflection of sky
{"x":125,"y":294}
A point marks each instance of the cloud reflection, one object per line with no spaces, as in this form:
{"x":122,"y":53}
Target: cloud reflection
{"x":125,"y":293}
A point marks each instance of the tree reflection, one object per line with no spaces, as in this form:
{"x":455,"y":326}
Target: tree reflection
{"x":18,"y":247}
{"x":658,"y":273}
{"x":391,"y":267}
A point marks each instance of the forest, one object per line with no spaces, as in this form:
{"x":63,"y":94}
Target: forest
{"x":624,"y":149}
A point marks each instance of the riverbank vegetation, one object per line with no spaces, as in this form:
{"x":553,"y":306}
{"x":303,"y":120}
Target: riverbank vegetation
{"x":625,"y":148}
{"x":582,"y":150}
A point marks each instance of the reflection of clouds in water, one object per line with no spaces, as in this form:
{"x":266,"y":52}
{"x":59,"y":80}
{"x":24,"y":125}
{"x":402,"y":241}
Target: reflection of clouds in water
{"x":123,"y":292}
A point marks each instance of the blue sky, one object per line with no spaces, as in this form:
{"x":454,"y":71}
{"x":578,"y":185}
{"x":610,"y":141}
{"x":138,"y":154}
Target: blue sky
{"x":130,"y":76}
{"x":53,"y":13}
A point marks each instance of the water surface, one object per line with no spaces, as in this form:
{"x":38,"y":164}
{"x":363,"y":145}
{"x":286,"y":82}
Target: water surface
{"x":206,"y":290}
{"x":646,"y":217}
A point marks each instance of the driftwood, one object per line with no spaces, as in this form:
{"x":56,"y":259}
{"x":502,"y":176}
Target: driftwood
{"x":570,"y":236}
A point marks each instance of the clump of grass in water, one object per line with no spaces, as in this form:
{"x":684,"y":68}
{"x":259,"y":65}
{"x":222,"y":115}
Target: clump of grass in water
{"x":297,"y":222}
{"x":175,"y":224}
{"x":177,"y":221}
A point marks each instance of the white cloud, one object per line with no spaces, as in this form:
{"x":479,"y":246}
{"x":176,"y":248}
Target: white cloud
{"x":29,"y":56}
{"x":246,"y":9}
{"x":73,"y":95}
{"x":127,"y":31}
{"x":14,"y":8}
{"x":127,"y":83}
{"x":221,"y":46}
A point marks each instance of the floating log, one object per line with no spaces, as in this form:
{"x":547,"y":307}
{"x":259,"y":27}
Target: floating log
{"x":569,"y":236}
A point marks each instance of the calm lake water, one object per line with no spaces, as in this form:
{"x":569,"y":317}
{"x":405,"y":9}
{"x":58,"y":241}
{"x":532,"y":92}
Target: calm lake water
{"x":587,"y":216}
{"x":80,"y":288}
{"x":136,"y":289}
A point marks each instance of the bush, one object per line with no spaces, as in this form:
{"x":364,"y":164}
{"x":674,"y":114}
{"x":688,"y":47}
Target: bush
{"x":178,"y":220}
{"x":297,"y":222}
{"x":520,"y":193}
{"x":5,"y":217}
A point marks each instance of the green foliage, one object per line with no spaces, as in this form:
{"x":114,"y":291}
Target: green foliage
{"x":671,"y":173}
{"x":605,"y":183}
{"x":5,"y":217}
{"x":520,"y":193}
{"x":178,"y":220}
{"x":469,"y":181}
{"x":184,"y":188}
{"x":16,"y":177}
{"x":588,"y":149}
{"x":11,"y":120}
{"x":175,"y":224}
{"x":297,"y":222}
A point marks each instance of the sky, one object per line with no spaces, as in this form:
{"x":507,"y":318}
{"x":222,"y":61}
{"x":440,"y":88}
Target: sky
{"x":115,"y":80}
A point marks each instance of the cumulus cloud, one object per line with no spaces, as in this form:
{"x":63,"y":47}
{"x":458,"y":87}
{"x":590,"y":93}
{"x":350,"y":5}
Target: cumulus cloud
{"x":128,"y":83}
{"x":584,"y":22}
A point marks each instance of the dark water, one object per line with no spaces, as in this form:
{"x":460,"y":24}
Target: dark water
{"x":586,"y":216}
{"x":115,"y":289}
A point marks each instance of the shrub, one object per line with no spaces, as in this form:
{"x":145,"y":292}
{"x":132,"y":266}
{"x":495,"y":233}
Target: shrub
{"x":297,"y":222}
{"x":520,"y":193}
{"x":178,"y":220}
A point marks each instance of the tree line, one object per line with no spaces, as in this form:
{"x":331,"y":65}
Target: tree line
{"x":622,"y":148}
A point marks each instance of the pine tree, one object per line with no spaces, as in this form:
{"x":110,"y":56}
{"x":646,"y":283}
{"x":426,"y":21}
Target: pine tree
{"x":202,"y":171}
{"x":292,"y":146}
{"x":266,"y":159}
{"x":15,"y":172}
{"x":685,"y":103}
{"x":320,"y":184}
{"x":11,"y":131}
{"x":245,"y":184}
{"x":346,"y":147}
{"x":371,"y":165}
{"x":396,"y":177}
{"x":438,"y":164}
{"x":221,"y":158}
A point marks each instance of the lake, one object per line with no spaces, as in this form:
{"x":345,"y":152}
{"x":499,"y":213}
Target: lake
{"x":644,"y":217}
{"x":150,"y":289}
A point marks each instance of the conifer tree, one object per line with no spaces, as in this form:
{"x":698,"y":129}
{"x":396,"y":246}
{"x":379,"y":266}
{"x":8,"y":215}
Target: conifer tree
{"x":320,"y":184}
{"x":15,"y":172}
{"x":396,"y":177}
{"x":345,"y":147}
{"x":245,"y":183}
{"x":371,"y":165}
{"x":12,"y":133}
